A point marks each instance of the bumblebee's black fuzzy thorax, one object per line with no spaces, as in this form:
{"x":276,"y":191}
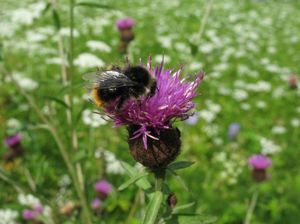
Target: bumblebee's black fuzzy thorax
{"x":138,"y":74}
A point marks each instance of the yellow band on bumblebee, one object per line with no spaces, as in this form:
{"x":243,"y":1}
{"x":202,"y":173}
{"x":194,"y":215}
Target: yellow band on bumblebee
{"x":96,"y":97}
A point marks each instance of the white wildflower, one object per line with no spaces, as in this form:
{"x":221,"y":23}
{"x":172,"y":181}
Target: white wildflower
{"x":113,"y":165}
{"x":214,"y":74}
{"x":295,"y":122}
{"x":87,"y":60}
{"x":278,"y":92}
{"x":273,"y":68}
{"x":221,"y":157}
{"x":215,"y":108}
{"x":57,"y":61}
{"x":65,"y":31}
{"x":92,"y":119}
{"x":221,"y":67}
{"x":245,"y":106}
{"x":265,"y":61}
{"x":195,"y":66}
{"x":26,"y":16}
{"x":28,"y":200}
{"x":34,"y":36}
{"x":207,"y":115}
{"x":7,"y":29}
{"x":278,"y":130}
{"x":261,"y":104}
{"x":240,"y":94}
{"x":182,"y":48}
{"x":263,"y":86}
{"x":98,"y":45}
{"x":211,"y":130}
{"x":272,"y":50}
{"x":13,"y":124}
{"x":224,"y":91}
{"x":47,"y":211}
{"x":268,"y":147}
{"x":165,"y":41}
{"x":206,"y":48}
{"x":64,"y":181}
{"x":8,"y":216}
{"x":218,"y":141}
{"x":25,"y":82}
{"x":240,"y":53}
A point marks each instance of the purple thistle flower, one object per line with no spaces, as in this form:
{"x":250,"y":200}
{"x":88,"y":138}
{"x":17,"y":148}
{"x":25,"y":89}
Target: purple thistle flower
{"x":233,"y":130}
{"x":29,"y":214}
{"x":172,"y":100}
{"x":10,"y":141}
{"x":125,"y":23}
{"x":96,"y":203}
{"x":39,"y":208}
{"x":103,"y":187}
{"x":259,"y":162}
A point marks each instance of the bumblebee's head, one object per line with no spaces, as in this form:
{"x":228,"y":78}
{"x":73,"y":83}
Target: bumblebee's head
{"x":138,"y":74}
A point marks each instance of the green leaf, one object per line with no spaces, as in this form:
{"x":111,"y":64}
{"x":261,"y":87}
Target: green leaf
{"x":131,"y":171}
{"x":194,"y":48}
{"x":132,"y":180}
{"x":57,"y":100}
{"x":179,"y":180}
{"x":46,"y":9}
{"x":180,"y":165}
{"x":38,"y":126}
{"x":182,"y":207}
{"x":195,"y":219}
{"x":94,"y":4}
{"x":56,"y":19}
{"x":153,"y":208}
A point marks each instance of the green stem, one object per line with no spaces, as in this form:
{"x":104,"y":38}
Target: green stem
{"x":4,"y":177}
{"x":159,"y":183}
{"x":251,"y":208}
{"x":62,"y":149}
{"x":74,"y":139}
{"x":204,"y":21}
{"x":133,"y":207}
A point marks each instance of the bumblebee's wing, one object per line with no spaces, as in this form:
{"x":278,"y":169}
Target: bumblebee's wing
{"x":108,"y":79}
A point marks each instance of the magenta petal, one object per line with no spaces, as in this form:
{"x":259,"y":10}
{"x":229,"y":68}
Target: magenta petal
{"x":259,"y":162}
{"x":12,"y":140}
{"x":29,"y":214}
{"x":103,"y":186}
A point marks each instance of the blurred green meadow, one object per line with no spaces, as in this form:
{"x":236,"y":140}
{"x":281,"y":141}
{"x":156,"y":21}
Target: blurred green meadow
{"x":248,"y":49}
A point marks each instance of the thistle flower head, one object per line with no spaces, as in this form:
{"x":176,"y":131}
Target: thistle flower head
{"x":125,"y":23}
{"x":171,"y":101}
{"x":96,"y":203}
{"x":29,"y":214}
{"x":12,"y":140}
{"x":259,"y":162}
{"x":103,"y":187}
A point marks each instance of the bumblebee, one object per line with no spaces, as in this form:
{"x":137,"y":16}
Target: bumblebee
{"x":119,"y":84}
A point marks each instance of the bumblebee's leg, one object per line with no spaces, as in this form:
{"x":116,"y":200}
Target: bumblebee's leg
{"x":121,"y":101}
